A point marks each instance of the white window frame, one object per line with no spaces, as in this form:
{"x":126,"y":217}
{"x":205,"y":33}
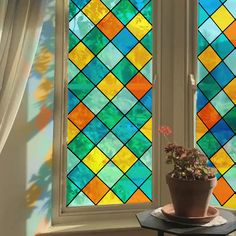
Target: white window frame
{"x":174,"y":106}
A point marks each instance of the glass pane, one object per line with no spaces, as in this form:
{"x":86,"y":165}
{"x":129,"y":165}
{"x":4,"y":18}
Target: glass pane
{"x":216,"y":95}
{"x":109,"y":139}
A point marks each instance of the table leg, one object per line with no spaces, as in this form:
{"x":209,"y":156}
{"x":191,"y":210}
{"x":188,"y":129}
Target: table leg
{"x":160,"y":233}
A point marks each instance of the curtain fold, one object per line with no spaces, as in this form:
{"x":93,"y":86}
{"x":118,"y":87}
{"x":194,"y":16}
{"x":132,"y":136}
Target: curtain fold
{"x":3,"y":7}
{"x":21,"y":23}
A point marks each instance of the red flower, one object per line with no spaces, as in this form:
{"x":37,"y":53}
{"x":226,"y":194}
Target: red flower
{"x":165,"y":130}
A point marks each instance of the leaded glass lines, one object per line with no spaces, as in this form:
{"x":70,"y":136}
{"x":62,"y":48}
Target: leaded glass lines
{"x":109,"y":102}
{"x":216,"y":111}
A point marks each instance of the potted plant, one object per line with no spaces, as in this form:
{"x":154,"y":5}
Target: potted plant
{"x":191,"y":181}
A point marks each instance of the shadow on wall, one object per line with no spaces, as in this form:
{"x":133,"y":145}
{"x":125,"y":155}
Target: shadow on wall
{"x":39,"y":129}
{"x":40,"y":190}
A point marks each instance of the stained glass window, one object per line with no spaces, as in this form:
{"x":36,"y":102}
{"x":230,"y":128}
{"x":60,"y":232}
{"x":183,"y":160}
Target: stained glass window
{"x":216,"y":95}
{"x":109,"y":155}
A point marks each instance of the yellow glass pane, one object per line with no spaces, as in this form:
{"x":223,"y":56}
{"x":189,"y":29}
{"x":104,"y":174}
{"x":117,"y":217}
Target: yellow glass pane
{"x":222,"y":161}
{"x":139,"y":26}
{"x":110,"y":198}
{"x":201,"y":129}
{"x":95,"y":160}
{"x":147,"y":129}
{"x":110,"y":86}
{"x":81,"y":56}
{"x":124,"y":159}
{"x":72,"y":131}
{"x":230,"y":90}
{"x":95,"y":10}
{"x":222,"y":18}
{"x":209,"y":58}
{"x":139,"y":56}
{"x":231,"y":203}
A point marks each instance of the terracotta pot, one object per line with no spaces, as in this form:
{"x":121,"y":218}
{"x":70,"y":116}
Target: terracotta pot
{"x":190,"y":197}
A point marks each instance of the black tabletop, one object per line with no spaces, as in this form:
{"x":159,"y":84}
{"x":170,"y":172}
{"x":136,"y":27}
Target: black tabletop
{"x":148,"y":221}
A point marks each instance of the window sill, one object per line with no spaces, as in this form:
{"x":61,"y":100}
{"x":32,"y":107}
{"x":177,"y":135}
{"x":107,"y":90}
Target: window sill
{"x":94,"y":226}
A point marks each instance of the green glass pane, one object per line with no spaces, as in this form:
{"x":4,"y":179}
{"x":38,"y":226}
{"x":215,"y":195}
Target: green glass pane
{"x":80,"y":86}
{"x":125,"y":71}
{"x":202,"y":43}
{"x":147,"y":158}
{"x":110,"y":3}
{"x":110,"y":115}
{"x":81,"y":146}
{"x":209,"y":144}
{"x":71,"y":192}
{"x":81,"y":200}
{"x":95,"y":40}
{"x":124,"y":188}
{"x":209,"y":87}
{"x":147,"y":11}
{"x":147,"y":41}
{"x":143,"y":171}
{"x":220,"y":98}
{"x":73,"y":9}
{"x":147,"y":187}
{"x":139,"y":144}
{"x":73,"y":40}
{"x":110,"y":174}
{"x":230,"y":118}
{"x":124,"y":11}
{"x":139,"y":115}
{"x":110,"y":145}
{"x":72,"y":161}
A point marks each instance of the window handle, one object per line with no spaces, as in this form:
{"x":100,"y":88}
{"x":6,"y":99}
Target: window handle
{"x":155,"y":78}
{"x":193,"y":82}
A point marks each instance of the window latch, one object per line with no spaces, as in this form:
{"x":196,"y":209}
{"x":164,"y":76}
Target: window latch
{"x":155,"y":78}
{"x":193,"y":82}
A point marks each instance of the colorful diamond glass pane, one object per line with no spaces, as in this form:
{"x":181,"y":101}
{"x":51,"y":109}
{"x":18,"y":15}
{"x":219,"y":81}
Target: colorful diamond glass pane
{"x":109,"y":158}
{"x":216,"y":99}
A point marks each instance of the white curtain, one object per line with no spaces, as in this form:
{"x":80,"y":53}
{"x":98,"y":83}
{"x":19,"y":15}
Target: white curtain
{"x":20,"y":26}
